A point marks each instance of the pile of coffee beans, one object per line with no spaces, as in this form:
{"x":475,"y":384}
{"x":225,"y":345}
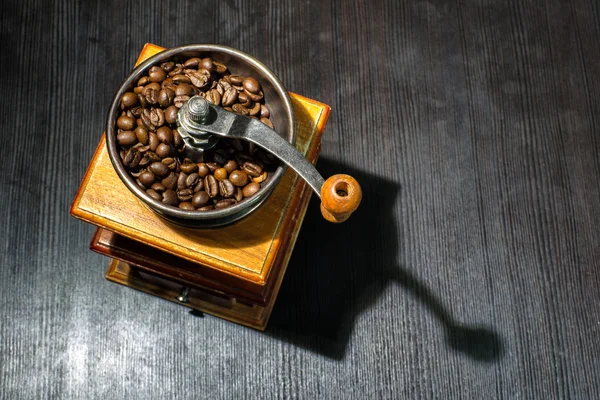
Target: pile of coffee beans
{"x":153,"y":152}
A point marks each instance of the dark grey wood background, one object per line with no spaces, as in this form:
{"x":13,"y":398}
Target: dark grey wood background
{"x":471,"y":271}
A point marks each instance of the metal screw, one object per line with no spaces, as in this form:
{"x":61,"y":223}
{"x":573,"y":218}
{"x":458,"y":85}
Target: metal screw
{"x":198,"y":109}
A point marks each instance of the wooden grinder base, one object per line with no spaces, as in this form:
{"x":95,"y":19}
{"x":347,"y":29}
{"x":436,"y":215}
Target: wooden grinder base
{"x":233,"y":272}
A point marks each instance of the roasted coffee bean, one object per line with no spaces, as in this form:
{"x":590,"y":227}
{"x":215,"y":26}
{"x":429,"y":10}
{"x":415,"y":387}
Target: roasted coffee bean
{"x":186,"y":205}
{"x":254,"y":96}
{"x":239,"y":178}
{"x":129,"y":157}
{"x":185,"y":194}
{"x":211,"y":186}
{"x":207,"y":64}
{"x":219,"y":68}
{"x":153,"y":141}
{"x":239,"y":194}
{"x":129,"y":100}
{"x":170,"y":197}
{"x":163,"y":150}
{"x":251,"y":85}
{"x":126,"y":123}
{"x":164,"y":134}
{"x":244,"y":99}
{"x":198,"y":79}
{"x":252,"y":169}
{"x":239,"y":109}
{"x":147,"y":178}
{"x":152,"y":156}
{"x":192,"y":62}
{"x":212,"y":166}
{"x":206,"y":208}
{"x":157,"y":117}
{"x":179,"y":79}
{"x":226,"y":188}
{"x":168,"y":161}
{"x":168,"y":66}
{"x":225,"y":203}
{"x":264,"y":111}
{"x":171,"y":114}
{"x":236,"y":79}
{"x":159,"y":169}
{"x":200,"y":199}
{"x":158,"y":187}
{"x":147,"y":121}
{"x":141,"y":133}
{"x":170,"y":182}
{"x":251,"y":189}
{"x":255,"y":110}
{"x":192,"y":180}
{"x":151,"y":95}
{"x":177,"y":139}
{"x":213,"y":96}
{"x":156,"y":196}
{"x":137,"y":157}
{"x":189,"y":167}
{"x":179,"y":101}
{"x":165,"y":97}
{"x":181,"y":179}
{"x":184,"y":89}
{"x":230,"y":96}
{"x":267,"y":122}
{"x":175,"y":71}
{"x":203,"y":170}
{"x":221,"y":174}
{"x":199,"y":186}
{"x":261,"y":178}
{"x":230,"y":166}
{"x":157,"y":74}
{"x":126,"y":138}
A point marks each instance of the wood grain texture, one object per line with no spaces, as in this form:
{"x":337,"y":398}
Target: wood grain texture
{"x":471,"y":269}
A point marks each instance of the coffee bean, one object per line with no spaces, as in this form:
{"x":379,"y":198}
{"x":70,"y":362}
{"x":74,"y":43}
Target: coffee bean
{"x":156,"y":196}
{"x":244,"y":99}
{"x":230,"y":96}
{"x":211,"y":186}
{"x":126,"y":138}
{"x":230,"y":166}
{"x":252,"y":169}
{"x":213,"y":166}
{"x":239,"y":194}
{"x":185,"y":194}
{"x":254,"y":96}
{"x":198,"y":79}
{"x":147,"y":121}
{"x":129,"y":157}
{"x":165,"y":134}
{"x":137,"y":157}
{"x":184,"y":89}
{"x":213,"y":96}
{"x":141,"y":133}
{"x":255,"y":110}
{"x":267,"y":122}
{"x":159,"y":169}
{"x":153,"y":141}
{"x":163,"y":150}
{"x":192,"y":62}
{"x":170,"y":182}
{"x":261,"y":178}
{"x":236,"y":79}
{"x":251,"y":189}
{"x":157,"y":117}
{"x":199,"y":186}
{"x":239,"y":178}
{"x":186,"y":205}
{"x":225,"y":203}
{"x":206,"y":208}
{"x":170,"y":197}
{"x":207,"y":64}
{"x":143,"y":81}
{"x":171,"y":114}
{"x":219,"y":68}
{"x":177,"y":139}
{"x":181,"y":181}
{"x":157,"y":74}
{"x":179,"y":79}
{"x":189,"y":167}
{"x":239,"y":109}
{"x":158,"y":187}
{"x":226,"y":188}
{"x":179,"y":101}
{"x":126,"y":123}
{"x":192,"y":180}
{"x":165,"y":97}
{"x":251,"y":85}
{"x":147,"y":178}
{"x":264,"y":111}
{"x":168,"y":66}
{"x":203,"y":170}
{"x":129,"y":100}
{"x":200,"y":199}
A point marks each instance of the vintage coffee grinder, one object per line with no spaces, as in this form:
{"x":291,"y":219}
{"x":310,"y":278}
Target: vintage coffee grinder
{"x":227,"y":262}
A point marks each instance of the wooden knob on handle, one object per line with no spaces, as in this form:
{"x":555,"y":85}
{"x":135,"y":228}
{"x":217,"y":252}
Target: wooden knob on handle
{"x":340,"y":196}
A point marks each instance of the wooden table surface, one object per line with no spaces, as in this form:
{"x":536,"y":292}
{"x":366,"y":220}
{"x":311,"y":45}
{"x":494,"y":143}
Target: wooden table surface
{"x":471,"y":270}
